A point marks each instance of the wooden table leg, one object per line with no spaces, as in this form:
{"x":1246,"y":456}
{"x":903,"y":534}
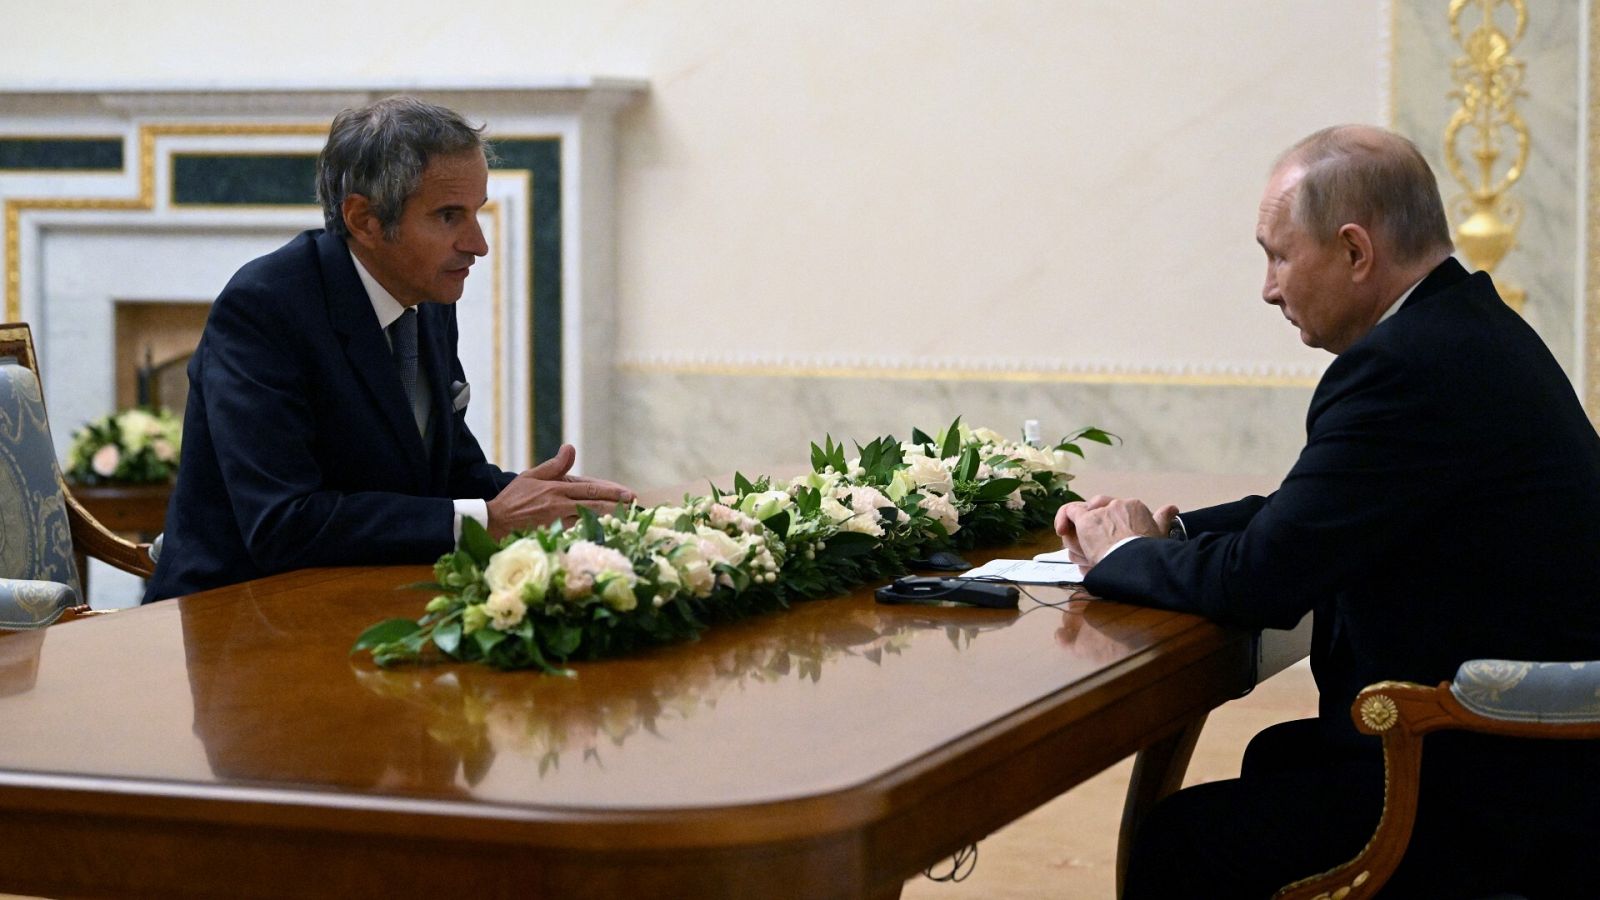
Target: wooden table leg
{"x":1157,"y":771}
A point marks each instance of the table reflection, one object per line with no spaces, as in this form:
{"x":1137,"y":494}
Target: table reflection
{"x":477,"y":712}
{"x":252,"y":690}
{"x":19,"y":660}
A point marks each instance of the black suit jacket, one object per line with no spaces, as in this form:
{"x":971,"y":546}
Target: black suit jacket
{"x":1446,"y":507}
{"x":299,"y":448}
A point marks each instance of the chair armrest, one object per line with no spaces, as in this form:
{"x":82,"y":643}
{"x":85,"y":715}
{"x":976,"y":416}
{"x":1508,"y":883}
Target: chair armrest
{"x":1510,"y":698}
{"x":1548,"y":693}
{"x":97,"y":541}
{"x":25,"y":603}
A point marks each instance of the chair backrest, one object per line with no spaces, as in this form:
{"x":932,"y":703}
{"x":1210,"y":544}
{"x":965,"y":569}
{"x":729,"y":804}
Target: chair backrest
{"x":37,"y":541}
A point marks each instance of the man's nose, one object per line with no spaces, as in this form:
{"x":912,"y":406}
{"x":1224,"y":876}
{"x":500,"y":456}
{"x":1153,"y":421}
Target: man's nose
{"x":1270,"y":292}
{"x":472,"y":240}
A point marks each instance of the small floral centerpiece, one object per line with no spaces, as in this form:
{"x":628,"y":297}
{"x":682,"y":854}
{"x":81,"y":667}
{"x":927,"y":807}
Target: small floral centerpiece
{"x":134,"y":446}
{"x":645,"y":576}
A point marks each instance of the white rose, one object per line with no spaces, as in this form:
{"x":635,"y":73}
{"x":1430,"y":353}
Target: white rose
{"x":930,"y":474}
{"x":718,"y":547}
{"x":523,"y":569}
{"x":940,"y":510}
{"x":693,"y":569}
{"x":987,"y":436}
{"x":618,"y":594}
{"x":105,"y":460}
{"x":835,"y":511}
{"x":900,"y":484}
{"x":764,"y":504}
{"x":137,"y":428}
{"x":505,"y":609}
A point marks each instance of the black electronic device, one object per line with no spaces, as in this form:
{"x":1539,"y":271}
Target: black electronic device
{"x":965,"y":591}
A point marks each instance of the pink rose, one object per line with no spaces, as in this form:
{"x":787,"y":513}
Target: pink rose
{"x":105,"y":460}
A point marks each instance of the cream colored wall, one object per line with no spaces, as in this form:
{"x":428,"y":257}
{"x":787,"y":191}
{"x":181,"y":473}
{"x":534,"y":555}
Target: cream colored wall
{"x":1052,"y":186}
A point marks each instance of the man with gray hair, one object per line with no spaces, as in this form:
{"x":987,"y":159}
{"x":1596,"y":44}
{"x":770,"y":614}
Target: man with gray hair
{"x":326,"y":422}
{"x":1446,"y":506}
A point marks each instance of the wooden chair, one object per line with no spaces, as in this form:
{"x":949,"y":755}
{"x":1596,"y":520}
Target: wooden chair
{"x":39,"y":581}
{"x":1538,"y":700}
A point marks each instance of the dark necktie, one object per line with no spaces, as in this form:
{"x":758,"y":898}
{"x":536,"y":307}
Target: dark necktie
{"x":403,"y":337}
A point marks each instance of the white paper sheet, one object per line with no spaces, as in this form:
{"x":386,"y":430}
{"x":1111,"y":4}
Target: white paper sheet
{"x":1027,"y":571}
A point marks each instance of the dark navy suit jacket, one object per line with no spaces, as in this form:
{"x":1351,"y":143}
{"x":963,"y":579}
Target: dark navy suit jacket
{"x":299,"y":448}
{"x":1446,"y":507}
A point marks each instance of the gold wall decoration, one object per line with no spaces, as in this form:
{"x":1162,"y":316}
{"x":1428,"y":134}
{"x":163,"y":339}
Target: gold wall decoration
{"x":1488,"y":82}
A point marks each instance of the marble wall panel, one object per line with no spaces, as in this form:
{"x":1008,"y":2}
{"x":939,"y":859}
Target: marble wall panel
{"x":1545,"y":259}
{"x":675,"y":427}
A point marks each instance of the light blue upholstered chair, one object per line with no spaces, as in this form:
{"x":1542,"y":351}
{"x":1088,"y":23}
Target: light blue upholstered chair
{"x":1536,"y":700}
{"x":39,"y":581}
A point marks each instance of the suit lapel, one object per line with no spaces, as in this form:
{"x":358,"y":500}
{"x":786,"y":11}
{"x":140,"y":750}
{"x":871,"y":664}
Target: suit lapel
{"x":350,"y":311}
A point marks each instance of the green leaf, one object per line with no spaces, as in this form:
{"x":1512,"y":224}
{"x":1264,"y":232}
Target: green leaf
{"x":778,"y":522}
{"x":476,"y":542}
{"x":487,"y":638}
{"x":952,"y":440}
{"x":592,"y":529}
{"x":996,"y":489}
{"x":850,"y":543}
{"x":563,"y":639}
{"x":918,"y":436}
{"x":447,"y":636}
{"x":741,"y":484}
{"x":386,"y":632}
{"x":967,"y":468}
{"x":819,"y":459}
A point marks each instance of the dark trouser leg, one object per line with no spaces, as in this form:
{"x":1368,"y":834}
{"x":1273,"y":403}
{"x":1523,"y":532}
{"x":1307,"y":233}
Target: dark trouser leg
{"x":1297,"y":809}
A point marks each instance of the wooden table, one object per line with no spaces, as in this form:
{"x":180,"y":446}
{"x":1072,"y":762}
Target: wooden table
{"x":225,"y":744}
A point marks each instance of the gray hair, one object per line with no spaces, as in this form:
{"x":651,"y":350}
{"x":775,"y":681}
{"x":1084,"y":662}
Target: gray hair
{"x":379,"y":152}
{"x":1370,"y":177}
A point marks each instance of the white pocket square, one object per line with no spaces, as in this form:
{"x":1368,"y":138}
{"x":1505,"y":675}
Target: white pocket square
{"x":460,"y":393}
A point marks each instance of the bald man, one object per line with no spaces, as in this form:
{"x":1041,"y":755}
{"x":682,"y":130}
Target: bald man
{"x":1446,"y":507}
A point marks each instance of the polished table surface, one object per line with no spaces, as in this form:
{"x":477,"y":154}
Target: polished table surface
{"x":226,"y":743}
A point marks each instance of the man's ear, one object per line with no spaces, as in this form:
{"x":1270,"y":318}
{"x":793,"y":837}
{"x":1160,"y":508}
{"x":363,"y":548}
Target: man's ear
{"x":1355,"y":243}
{"x":361,"y":220}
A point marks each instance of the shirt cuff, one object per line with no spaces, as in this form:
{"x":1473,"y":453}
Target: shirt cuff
{"x":477,"y":509}
{"x":1119,"y":544}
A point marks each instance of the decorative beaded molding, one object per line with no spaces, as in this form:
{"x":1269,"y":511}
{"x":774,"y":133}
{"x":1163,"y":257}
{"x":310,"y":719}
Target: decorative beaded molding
{"x":968,"y":369}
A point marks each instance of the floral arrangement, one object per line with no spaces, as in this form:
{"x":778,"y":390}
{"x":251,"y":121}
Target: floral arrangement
{"x":645,"y":576}
{"x":138,"y":446}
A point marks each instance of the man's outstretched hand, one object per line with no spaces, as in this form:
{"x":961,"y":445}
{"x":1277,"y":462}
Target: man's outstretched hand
{"x":546,"y":493}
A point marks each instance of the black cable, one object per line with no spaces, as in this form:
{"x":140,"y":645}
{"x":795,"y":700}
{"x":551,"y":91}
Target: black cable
{"x":961,"y":865}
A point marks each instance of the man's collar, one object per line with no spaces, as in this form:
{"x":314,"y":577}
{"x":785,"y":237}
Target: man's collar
{"x":1395,"y":306}
{"x":383,"y":302}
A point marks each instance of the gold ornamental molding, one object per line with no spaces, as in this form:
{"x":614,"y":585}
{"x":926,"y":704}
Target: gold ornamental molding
{"x":1590,"y":359}
{"x":1488,"y":82}
{"x":144,"y":202}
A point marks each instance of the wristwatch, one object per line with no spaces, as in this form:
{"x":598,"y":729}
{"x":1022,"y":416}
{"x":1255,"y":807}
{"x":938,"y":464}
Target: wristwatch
{"x":1176,"y":531}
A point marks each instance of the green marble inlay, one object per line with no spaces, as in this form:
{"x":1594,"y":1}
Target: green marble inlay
{"x":541,"y":158}
{"x":67,"y":154}
{"x":239,"y":179}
